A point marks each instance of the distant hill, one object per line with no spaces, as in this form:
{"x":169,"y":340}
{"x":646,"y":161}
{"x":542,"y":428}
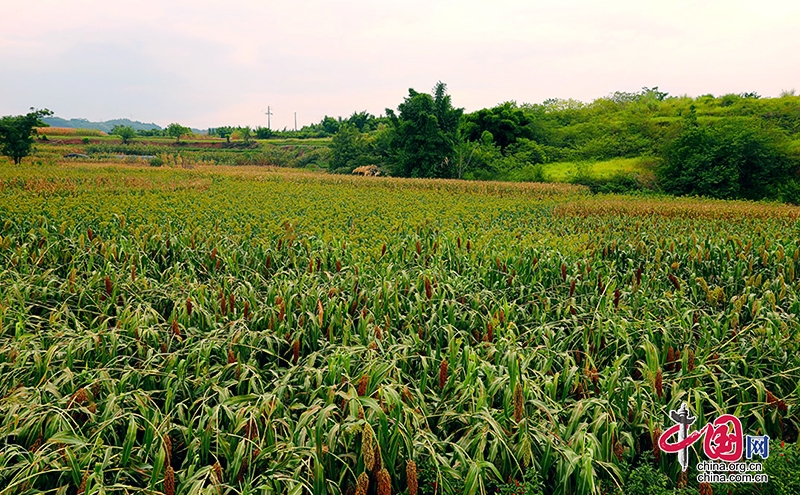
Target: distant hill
{"x":100,"y":126}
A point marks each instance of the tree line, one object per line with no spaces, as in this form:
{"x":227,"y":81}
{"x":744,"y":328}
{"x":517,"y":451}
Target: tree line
{"x":732,"y":146}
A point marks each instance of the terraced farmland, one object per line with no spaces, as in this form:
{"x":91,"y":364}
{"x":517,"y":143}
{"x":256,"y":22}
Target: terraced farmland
{"x":250,"y":330}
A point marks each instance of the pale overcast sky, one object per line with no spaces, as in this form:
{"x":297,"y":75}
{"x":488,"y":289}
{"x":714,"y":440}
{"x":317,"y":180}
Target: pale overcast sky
{"x":209,"y":63}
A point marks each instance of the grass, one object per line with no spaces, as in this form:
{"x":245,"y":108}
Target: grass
{"x":564,"y":171}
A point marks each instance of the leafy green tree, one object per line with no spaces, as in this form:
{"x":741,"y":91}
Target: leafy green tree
{"x":647,"y":94}
{"x":263,"y":133}
{"x":464,"y":153}
{"x":424,"y":134}
{"x":506,"y":122}
{"x":330,"y":125}
{"x":246,"y":133}
{"x":177,"y":131}
{"x":732,"y":159}
{"x":150,"y":132}
{"x":224,"y":132}
{"x":526,"y":151}
{"x":487,"y":159}
{"x":125,"y":132}
{"x":350,"y":149}
{"x":16,"y":133}
{"x":363,"y":121}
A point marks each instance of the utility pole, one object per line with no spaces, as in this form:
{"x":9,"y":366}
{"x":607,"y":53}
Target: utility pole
{"x":268,"y":116}
{"x":295,"y":122}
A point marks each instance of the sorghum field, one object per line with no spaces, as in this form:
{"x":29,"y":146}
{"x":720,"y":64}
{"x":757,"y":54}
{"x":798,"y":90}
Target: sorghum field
{"x":224,"y":330}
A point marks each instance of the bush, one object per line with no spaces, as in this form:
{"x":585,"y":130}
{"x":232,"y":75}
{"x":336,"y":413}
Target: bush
{"x":156,"y":161}
{"x":314,"y":158}
{"x":613,"y":145}
{"x":350,"y":149}
{"x":527,"y":151}
{"x":734,"y":159}
{"x":789,"y":191}
{"x":529,"y":173}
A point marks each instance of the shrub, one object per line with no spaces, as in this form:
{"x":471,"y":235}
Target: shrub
{"x":350,"y":149}
{"x":529,"y":173}
{"x":314,"y":157}
{"x":789,"y":191}
{"x":735,"y":159}
{"x":527,"y":151}
{"x":615,"y":144}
